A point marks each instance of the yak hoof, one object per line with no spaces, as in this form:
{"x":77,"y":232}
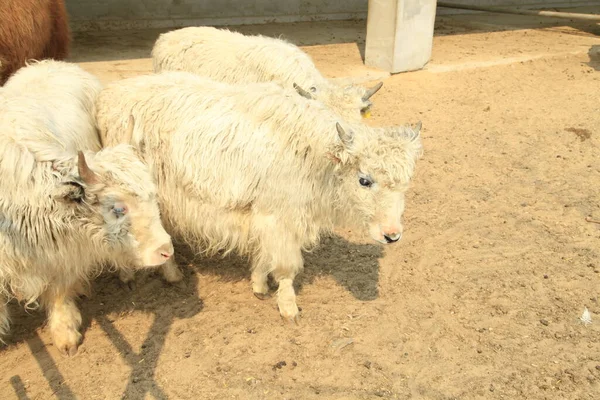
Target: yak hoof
{"x":67,"y":342}
{"x":129,"y":285}
{"x":290,"y":312}
{"x":132,"y":285}
{"x":262,"y":296}
{"x":181,"y":285}
{"x":171,"y":273}
{"x":127,"y":278}
{"x":296,"y":320}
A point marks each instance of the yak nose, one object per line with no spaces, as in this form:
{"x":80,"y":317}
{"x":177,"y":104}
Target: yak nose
{"x":392,"y":237}
{"x":166,"y":250}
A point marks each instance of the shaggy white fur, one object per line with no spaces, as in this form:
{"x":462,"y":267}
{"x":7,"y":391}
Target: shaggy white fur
{"x":64,"y":213}
{"x":232,"y":57}
{"x":259,"y":169}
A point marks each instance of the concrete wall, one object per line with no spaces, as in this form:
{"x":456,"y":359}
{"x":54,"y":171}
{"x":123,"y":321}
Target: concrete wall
{"x":125,"y":14}
{"x":542,"y":4}
{"x":135,"y":14}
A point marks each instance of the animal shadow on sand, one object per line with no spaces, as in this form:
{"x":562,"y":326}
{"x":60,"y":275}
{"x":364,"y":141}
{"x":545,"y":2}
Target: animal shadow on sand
{"x":354,"y":266}
{"x":594,"y":55}
{"x":109,"y":297}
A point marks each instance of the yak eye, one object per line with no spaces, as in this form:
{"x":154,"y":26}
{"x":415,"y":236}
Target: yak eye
{"x":313,"y":89}
{"x":365,"y":182}
{"x":119,"y":211}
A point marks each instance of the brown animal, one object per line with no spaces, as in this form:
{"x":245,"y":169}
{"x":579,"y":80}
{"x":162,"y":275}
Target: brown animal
{"x":31,"y":29}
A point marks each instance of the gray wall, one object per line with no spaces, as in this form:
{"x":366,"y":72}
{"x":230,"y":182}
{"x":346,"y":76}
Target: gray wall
{"x":135,"y":14}
{"x":124,"y":14}
{"x":540,"y":4}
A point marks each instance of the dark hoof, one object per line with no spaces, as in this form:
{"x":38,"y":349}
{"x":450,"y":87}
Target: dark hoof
{"x":129,"y":285}
{"x":179,"y":285}
{"x":294,"y":321}
{"x":262,"y":296}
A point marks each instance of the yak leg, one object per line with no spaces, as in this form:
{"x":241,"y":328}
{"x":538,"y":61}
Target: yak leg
{"x":64,"y":321}
{"x":82,"y":289}
{"x":127,"y":277}
{"x":171,"y":272}
{"x":284,"y":273}
{"x":261,"y":260}
{"x":4,"y":318}
{"x":284,"y":256}
{"x":259,"y":277}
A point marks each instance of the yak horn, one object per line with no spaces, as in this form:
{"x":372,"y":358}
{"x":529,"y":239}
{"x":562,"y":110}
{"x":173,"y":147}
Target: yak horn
{"x":416,"y":131}
{"x":88,"y":176}
{"x":418,"y":126}
{"x":130,"y":127}
{"x":302,"y":92}
{"x":345,"y":137}
{"x":370,"y":92}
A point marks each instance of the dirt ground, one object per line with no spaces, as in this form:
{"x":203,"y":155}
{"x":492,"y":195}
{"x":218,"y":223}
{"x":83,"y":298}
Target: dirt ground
{"x":480,"y":299}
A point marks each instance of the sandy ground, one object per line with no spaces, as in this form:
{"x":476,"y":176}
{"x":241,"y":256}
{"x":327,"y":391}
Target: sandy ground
{"x":480,"y":299}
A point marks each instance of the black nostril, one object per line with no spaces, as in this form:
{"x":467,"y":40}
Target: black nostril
{"x":390,"y":240}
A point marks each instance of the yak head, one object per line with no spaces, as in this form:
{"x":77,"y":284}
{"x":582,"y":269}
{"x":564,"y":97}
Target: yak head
{"x":374,"y":168}
{"x":117,"y":192}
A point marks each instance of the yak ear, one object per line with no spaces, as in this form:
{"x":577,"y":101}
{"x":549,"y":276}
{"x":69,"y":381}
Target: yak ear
{"x":303,"y":92}
{"x":404,"y":132}
{"x":74,"y":188}
{"x":70,"y":192}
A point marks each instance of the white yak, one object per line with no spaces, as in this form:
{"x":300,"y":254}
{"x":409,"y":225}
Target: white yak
{"x":64,"y":213}
{"x":232,"y":57}
{"x":260,"y":170}
{"x":77,"y":122}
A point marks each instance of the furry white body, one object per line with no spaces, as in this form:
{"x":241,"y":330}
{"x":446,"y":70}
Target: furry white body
{"x":259,"y":169}
{"x":64,"y":214}
{"x":234,"y":58}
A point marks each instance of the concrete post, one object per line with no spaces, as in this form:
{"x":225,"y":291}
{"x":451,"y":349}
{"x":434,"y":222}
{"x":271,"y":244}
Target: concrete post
{"x":399,"y":34}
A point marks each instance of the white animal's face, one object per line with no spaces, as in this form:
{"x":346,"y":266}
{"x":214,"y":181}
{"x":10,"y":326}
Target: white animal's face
{"x":376,"y":168}
{"x":351,"y":102}
{"x":146,"y":240}
{"x":381,"y":203}
{"x":119,"y":186}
